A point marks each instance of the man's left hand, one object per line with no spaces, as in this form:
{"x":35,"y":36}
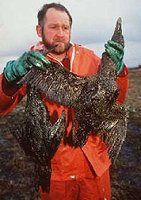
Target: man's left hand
{"x":116,"y":52}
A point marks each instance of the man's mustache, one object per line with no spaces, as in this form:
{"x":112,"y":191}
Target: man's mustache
{"x":59,"y":40}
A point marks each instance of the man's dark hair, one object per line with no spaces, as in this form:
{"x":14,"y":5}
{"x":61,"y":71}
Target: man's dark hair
{"x":42,"y":12}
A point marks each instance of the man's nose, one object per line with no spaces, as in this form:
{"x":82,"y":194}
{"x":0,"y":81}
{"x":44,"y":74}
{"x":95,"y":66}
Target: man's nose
{"x":60,"y":32}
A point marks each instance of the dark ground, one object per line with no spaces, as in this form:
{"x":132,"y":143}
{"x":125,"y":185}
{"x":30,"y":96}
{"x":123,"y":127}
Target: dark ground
{"x":16,"y":171}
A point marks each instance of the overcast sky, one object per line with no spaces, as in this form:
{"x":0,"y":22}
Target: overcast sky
{"x":93,"y":24}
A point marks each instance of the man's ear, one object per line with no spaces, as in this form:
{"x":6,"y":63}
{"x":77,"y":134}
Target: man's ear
{"x":39,"y":30}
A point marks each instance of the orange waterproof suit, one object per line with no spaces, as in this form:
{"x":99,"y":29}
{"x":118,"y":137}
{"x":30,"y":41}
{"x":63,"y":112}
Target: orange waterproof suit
{"x":77,"y":173}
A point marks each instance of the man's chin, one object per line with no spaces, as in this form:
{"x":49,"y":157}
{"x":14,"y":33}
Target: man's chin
{"x":59,"y":49}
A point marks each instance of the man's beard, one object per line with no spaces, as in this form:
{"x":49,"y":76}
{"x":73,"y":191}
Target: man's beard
{"x":55,"y":47}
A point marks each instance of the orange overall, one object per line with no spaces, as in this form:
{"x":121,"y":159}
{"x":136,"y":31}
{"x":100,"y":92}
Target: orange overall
{"x":77,"y":173}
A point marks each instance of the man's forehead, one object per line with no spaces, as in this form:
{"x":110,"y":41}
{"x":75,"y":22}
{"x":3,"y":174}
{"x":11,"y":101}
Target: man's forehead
{"x":56,"y":16}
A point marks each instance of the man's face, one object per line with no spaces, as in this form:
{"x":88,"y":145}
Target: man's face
{"x":56,"y":30}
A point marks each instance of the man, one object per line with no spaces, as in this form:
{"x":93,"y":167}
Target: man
{"x":77,"y":173}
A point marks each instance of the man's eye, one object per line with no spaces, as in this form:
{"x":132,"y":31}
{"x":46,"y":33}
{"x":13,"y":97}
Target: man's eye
{"x":53,"y":27}
{"x":66,"y":28}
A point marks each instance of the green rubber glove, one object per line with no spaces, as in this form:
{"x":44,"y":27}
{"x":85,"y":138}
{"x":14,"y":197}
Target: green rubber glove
{"x":36,"y":59}
{"x":116,"y":52}
{"x":16,"y":69}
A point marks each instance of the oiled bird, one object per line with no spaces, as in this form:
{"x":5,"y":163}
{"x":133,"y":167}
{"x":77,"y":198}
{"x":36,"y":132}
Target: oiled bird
{"x":93,"y":98}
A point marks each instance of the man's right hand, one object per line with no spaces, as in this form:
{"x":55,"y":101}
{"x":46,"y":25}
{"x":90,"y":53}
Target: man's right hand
{"x":16,"y":69}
